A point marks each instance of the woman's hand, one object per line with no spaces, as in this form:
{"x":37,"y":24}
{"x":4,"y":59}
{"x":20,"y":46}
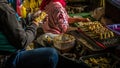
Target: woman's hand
{"x":84,"y":20}
{"x":74,"y":20}
{"x":36,"y":14}
{"x":39,"y":17}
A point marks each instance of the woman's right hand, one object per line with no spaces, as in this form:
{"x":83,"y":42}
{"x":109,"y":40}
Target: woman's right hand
{"x":36,"y":14}
{"x":40,"y":17}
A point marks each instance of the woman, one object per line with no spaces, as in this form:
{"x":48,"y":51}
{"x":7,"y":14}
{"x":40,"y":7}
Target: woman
{"x":14,"y":39}
{"x":58,"y":19}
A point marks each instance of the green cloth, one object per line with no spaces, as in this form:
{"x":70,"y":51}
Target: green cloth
{"x":5,"y":45}
{"x":84,"y":15}
{"x":80,"y":14}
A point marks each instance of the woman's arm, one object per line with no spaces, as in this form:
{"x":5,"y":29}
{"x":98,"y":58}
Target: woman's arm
{"x":74,"y":20}
{"x":16,"y":35}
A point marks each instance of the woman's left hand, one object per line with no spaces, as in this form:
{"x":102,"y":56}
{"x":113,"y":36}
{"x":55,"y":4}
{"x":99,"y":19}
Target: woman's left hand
{"x":85,"y":20}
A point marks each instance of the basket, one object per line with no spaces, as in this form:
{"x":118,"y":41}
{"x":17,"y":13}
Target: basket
{"x":97,"y":60}
{"x":64,"y":42}
{"x":100,"y":35}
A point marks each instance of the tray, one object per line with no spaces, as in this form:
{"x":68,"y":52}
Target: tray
{"x":115,"y":28}
{"x":104,"y":40}
{"x":89,"y":43}
{"x":85,"y":41}
{"x":108,"y":60}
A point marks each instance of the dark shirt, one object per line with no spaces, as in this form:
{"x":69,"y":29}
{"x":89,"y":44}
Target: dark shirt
{"x":12,"y":29}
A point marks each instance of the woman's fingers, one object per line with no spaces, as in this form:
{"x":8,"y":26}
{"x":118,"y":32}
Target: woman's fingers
{"x":86,"y":20}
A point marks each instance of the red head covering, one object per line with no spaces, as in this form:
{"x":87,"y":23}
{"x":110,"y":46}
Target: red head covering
{"x":45,"y":2}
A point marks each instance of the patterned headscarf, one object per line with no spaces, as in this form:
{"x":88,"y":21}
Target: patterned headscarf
{"x":45,"y":2}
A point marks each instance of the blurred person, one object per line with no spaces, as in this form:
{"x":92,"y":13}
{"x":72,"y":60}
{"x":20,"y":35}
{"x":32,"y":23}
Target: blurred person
{"x":58,"y":20}
{"x":14,"y":39}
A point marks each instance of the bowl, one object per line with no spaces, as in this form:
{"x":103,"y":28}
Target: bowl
{"x":64,"y":42}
